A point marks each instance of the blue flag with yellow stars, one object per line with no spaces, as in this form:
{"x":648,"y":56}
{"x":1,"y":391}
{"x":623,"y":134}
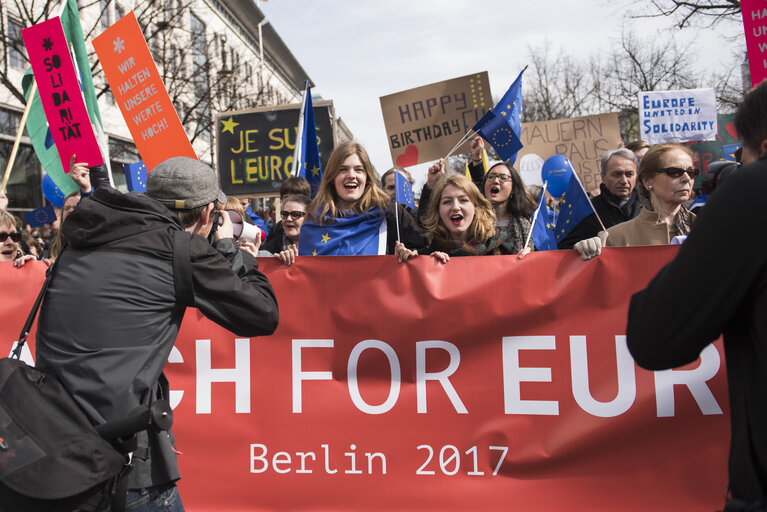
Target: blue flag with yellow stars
{"x":543,"y":233}
{"x":501,"y":126}
{"x":404,"y":192}
{"x":135,"y":176}
{"x":309,"y":159}
{"x":41,"y":216}
{"x":575,"y":207}
{"x":352,"y":235}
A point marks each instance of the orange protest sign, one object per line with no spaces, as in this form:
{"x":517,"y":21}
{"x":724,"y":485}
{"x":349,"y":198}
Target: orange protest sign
{"x":140,"y":93}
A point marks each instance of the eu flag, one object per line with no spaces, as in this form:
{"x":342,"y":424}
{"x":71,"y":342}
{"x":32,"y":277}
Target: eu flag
{"x":501,"y":125}
{"x":135,"y":176}
{"x":404,"y":192}
{"x":575,"y":207}
{"x":543,"y":235}
{"x":309,"y":159}
{"x":40,"y":216}
{"x":357,"y":235}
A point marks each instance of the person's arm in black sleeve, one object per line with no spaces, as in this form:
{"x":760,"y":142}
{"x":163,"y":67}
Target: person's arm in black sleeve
{"x":477,"y":172}
{"x":230,"y":290}
{"x":409,"y":231}
{"x":423,"y":203}
{"x":694,"y":298}
{"x":99,"y":176}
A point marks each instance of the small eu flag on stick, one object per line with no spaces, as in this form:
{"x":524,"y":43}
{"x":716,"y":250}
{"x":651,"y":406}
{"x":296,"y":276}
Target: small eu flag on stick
{"x":41,"y":216}
{"x":135,"y":176}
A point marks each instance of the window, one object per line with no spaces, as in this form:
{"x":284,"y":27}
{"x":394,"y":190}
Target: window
{"x":17,"y":53}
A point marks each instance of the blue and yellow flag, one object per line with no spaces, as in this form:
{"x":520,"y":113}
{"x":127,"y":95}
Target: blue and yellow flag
{"x":135,"y":176}
{"x":501,"y":125}
{"x":575,"y":207}
{"x":357,"y":235}
{"x":542,"y":231}
{"x":309,"y":165}
{"x":41,"y":216}
{"x":404,"y":192}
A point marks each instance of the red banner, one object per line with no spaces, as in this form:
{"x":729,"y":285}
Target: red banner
{"x":755,"y":26}
{"x":485,"y":384}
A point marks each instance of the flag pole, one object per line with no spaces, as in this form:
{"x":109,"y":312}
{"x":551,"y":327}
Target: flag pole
{"x":12,"y":158}
{"x":587,"y":197}
{"x":299,"y":132}
{"x":466,"y":136}
{"x":535,"y":216}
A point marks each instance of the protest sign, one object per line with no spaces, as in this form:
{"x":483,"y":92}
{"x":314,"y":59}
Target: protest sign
{"x":677,"y":116}
{"x":583,"y":140}
{"x":60,"y":93}
{"x":755,"y":24}
{"x":139,"y":92}
{"x":255,"y":147}
{"x":704,"y":153}
{"x":438,"y":387}
{"x":423,"y":124}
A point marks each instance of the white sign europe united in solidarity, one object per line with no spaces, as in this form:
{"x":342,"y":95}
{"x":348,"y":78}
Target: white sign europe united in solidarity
{"x":677,"y":116}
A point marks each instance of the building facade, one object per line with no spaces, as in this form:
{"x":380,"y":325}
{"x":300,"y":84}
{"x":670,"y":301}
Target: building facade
{"x":213,"y":55}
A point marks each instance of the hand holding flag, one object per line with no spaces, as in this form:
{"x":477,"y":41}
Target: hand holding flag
{"x":501,"y":126}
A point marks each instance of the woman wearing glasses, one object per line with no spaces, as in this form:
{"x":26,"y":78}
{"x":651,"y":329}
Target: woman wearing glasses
{"x":9,"y":241}
{"x":503,"y":187}
{"x":666,"y":176}
{"x":292,"y":214}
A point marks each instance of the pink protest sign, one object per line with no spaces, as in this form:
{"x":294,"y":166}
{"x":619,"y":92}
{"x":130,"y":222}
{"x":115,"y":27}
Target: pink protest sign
{"x":755,"y":24}
{"x":60,"y":93}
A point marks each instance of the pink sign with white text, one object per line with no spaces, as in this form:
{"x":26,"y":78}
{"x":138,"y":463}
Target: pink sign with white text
{"x":60,"y":93}
{"x":755,"y":24}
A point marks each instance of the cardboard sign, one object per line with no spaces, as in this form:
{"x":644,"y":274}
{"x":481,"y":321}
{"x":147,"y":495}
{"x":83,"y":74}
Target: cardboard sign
{"x":581,"y":139}
{"x":677,"y":116}
{"x":60,"y":93}
{"x":755,"y":24}
{"x":255,"y":147}
{"x":140,"y":93}
{"x":415,"y":387}
{"x":423,"y":124}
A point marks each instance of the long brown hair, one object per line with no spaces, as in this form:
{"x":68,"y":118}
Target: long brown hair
{"x":325,"y":202}
{"x":482,"y":227}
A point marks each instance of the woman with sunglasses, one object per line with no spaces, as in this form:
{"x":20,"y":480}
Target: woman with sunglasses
{"x":665,"y":176}
{"x":9,"y":241}
{"x":292,"y":214}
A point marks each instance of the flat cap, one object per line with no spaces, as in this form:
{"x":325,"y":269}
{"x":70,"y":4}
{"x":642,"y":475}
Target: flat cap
{"x":183,"y":183}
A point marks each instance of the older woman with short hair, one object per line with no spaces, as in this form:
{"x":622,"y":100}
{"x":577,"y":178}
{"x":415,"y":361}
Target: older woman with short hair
{"x":665,"y":177}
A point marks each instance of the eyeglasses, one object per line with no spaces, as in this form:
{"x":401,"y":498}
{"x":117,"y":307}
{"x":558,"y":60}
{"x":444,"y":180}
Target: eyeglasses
{"x":15,"y":236}
{"x":295,"y":214}
{"x":503,"y":178}
{"x":675,"y":172}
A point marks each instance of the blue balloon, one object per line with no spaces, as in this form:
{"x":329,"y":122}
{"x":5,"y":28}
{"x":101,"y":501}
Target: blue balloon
{"x":52,"y":193}
{"x":556,"y":171}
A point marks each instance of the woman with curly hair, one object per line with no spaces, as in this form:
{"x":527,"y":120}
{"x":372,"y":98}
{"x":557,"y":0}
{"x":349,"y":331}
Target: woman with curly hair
{"x":460,"y":221}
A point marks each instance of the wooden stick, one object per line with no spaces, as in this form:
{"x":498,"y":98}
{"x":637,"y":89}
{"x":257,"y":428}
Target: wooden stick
{"x":15,"y":149}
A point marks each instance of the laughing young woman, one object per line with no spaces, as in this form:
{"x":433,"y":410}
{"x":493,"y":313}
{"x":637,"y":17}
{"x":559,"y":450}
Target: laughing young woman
{"x":351,"y":215}
{"x":461,"y":222}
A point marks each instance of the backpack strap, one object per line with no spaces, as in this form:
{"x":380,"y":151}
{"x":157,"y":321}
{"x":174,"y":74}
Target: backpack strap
{"x":182,"y":268}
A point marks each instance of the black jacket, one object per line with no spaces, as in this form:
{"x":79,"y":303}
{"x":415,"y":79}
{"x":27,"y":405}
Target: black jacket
{"x":717,"y":284}
{"x":609,"y":209}
{"x":111,"y":315}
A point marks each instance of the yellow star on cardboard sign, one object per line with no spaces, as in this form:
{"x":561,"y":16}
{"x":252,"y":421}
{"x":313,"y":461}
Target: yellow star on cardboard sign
{"x":229,"y":125}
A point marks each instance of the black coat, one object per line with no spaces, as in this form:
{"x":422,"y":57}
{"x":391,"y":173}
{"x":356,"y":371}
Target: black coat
{"x":717,"y":284}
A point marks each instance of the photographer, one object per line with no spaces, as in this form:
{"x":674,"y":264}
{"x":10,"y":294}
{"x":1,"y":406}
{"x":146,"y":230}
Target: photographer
{"x":118,"y":295}
{"x":679,"y":314}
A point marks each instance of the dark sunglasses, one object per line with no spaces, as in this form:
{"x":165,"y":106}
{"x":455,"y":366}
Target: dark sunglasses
{"x":15,"y":236}
{"x":675,"y":172}
{"x":295,"y":214}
